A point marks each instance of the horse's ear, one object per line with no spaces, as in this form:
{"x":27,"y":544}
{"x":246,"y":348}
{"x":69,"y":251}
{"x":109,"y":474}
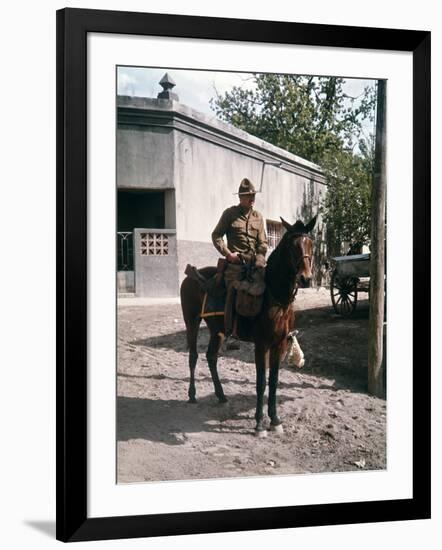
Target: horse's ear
{"x":311,"y":224}
{"x":286,"y":224}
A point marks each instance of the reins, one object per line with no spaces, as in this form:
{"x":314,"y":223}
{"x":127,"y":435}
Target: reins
{"x":295,"y":290}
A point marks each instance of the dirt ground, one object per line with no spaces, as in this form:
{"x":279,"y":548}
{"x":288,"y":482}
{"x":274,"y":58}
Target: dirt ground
{"x":330,"y":422}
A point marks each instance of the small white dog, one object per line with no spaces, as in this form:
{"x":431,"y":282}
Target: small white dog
{"x":295,"y":355}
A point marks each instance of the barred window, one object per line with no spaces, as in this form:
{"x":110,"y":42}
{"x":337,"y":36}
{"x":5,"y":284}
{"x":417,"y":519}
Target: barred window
{"x":154,"y":244}
{"x":275,"y":231}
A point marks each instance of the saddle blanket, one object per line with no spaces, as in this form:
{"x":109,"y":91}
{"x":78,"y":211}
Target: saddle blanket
{"x":212,"y":305}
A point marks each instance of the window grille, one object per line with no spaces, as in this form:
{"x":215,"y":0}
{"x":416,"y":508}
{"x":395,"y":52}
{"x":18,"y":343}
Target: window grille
{"x":154,"y":244}
{"x":274,"y":233}
{"x":125,"y":257}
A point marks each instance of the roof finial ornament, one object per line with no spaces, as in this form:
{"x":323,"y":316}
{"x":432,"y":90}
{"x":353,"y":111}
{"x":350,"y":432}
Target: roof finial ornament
{"x":167,"y":83}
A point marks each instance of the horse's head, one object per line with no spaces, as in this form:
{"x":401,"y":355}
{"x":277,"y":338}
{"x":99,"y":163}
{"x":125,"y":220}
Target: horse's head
{"x":299,"y":250}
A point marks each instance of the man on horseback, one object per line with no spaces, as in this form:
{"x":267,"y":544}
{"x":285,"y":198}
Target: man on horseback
{"x":246,"y":243}
{"x":271,"y":331}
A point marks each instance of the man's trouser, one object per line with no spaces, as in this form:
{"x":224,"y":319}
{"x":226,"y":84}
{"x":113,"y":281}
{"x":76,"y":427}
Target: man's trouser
{"x":231,"y":274}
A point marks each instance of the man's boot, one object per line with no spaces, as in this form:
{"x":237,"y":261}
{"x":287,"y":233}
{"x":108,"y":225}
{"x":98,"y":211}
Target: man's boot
{"x":233,"y":340}
{"x":230,"y":320}
{"x":228,"y":311}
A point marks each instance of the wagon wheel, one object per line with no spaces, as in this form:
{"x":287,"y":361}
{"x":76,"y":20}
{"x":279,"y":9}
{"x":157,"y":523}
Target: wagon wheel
{"x":344,"y":294}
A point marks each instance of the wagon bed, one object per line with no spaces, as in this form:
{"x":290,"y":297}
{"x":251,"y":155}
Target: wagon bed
{"x":349,"y":277}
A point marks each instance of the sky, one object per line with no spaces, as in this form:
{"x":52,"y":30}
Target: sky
{"x":195,"y":88}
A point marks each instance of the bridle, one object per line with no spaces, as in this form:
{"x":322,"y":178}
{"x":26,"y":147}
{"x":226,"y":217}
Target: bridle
{"x":297,"y":235}
{"x":295,"y":290}
{"x":302,"y":258}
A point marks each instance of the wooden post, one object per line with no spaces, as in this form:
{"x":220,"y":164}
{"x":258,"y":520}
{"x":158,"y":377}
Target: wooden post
{"x":377,"y":251}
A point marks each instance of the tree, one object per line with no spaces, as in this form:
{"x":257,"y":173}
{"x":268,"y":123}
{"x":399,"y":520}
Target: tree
{"x":347,"y":205}
{"x":314,"y":118}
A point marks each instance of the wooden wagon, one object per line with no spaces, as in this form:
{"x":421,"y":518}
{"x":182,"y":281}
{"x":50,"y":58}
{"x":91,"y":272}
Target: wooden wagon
{"x":350,"y":276}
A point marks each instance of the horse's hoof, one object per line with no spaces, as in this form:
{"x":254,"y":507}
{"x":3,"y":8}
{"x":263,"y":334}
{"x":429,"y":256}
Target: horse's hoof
{"x":278,"y":429}
{"x":260,"y":433}
{"x":192,"y":400}
{"x":223,"y":400}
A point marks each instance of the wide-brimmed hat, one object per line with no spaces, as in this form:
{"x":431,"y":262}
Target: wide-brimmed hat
{"x":246,"y":187}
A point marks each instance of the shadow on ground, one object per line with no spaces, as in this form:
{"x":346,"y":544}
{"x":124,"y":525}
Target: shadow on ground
{"x":225,"y":380}
{"x":166,"y":421}
{"x":334,"y":346}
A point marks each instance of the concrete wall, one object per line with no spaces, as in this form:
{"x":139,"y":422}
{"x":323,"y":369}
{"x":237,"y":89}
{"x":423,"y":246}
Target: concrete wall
{"x":145,"y":143}
{"x":126,"y":282}
{"x":207,"y":176}
{"x":207,"y":173}
{"x":199,"y":162}
{"x":198,"y":253}
{"x":145,"y":158}
{"x":156,"y":275}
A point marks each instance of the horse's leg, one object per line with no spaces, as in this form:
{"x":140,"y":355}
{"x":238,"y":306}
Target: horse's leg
{"x":215,"y":343}
{"x":192,"y":335}
{"x":275,"y":422}
{"x":261,"y":358}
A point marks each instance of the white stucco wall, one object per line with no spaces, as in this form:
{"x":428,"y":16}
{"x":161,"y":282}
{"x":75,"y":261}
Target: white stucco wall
{"x":200,"y":162}
{"x":164,"y":145}
{"x":207,"y":175}
{"x":145,"y":158}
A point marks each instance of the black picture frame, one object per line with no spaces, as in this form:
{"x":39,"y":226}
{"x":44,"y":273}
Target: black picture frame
{"x":73,"y":25}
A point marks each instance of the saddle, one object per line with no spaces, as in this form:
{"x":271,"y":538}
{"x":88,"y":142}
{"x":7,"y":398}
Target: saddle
{"x":214,"y":286}
{"x":250,"y":292}
{"x":249,"y":289}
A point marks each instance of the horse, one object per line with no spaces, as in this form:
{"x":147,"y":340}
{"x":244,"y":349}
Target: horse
{"x":289,"y":266}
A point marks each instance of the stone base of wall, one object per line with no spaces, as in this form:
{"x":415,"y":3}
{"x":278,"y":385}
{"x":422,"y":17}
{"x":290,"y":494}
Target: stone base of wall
{"x":125,"y":282}
{"x":197,"y":253}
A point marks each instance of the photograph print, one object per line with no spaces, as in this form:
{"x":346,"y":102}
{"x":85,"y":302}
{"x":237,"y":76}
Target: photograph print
{"x":251,"y":336}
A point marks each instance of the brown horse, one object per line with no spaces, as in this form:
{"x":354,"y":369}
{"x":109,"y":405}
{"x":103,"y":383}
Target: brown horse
{"x":288,"y":267}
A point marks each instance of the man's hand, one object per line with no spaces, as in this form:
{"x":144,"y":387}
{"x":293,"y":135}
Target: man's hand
{"x":233,"y":258}
{"x":260,"y":261}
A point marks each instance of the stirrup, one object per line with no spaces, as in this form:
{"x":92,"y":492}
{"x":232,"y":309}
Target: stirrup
{"x":233,"y":343}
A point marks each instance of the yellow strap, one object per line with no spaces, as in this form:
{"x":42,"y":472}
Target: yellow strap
{"x":203,"y":314}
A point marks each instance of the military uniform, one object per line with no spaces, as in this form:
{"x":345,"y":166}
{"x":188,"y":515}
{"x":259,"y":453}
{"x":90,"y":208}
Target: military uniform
{"x":245,"y":233}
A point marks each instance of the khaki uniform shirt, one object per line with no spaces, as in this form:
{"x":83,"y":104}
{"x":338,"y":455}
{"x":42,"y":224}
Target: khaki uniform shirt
{"x":244,"y":231}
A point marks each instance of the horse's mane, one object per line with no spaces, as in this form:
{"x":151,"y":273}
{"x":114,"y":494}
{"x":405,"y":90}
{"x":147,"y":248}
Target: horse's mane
{"x":280,"y":274}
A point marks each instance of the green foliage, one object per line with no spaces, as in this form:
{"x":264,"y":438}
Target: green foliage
{"x":313,"y":118}
{"x":347,"y":204}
